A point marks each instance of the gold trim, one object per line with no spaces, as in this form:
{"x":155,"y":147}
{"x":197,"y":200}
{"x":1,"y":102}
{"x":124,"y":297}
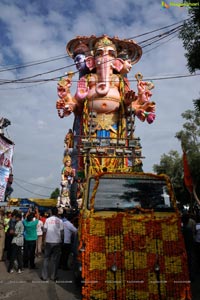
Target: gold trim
{"x":106,"y":121}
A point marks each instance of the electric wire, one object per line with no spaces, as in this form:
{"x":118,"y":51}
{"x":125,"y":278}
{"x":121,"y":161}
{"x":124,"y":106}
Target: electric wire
{"x":65,"y":56}
{"x":34,"y":76}
{"x":58,"y":57}
{"x":41,"y":186}
{"x":169,"y":77}
{"x":164,"y":42}
{"x":160,"y":37}
{"x":19,"y":185}
{"x":51,"y":59}
{"x":15,"y":67}
{"x":150,"y":78}
{"x":154,"y":39}
{"x":136,"y":36}
{"x":28,"y":85}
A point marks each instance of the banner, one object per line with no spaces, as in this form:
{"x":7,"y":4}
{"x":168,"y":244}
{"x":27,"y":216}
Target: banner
{"x":6,"y":154}
{"x":187,"y":175}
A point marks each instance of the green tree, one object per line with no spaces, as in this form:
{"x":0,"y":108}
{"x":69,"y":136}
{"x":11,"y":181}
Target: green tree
{"x":172,"y":164}
{"x":55,"y":194}
{"x":190,"y":34}
{"x":197,"y":104}
{"x":189,"y":137}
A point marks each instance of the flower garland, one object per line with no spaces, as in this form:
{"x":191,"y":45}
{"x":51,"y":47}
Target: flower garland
{"x":134,"y":255}
{"x":133,"y":244}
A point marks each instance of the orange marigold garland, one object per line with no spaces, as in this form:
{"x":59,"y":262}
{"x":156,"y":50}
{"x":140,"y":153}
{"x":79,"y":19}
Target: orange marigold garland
{"x":122,"y":252}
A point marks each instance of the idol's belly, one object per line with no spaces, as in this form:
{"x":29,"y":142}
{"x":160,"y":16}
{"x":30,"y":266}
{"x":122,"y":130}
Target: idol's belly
{"x":104,"y":105}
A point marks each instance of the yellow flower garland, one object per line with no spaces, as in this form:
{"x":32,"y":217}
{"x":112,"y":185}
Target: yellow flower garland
{"x":113,"y":240}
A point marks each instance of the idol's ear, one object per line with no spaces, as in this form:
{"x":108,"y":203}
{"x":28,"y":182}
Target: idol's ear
{"x":118,"y":64}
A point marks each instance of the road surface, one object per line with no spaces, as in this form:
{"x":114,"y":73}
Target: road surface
{"x":28,"y":286}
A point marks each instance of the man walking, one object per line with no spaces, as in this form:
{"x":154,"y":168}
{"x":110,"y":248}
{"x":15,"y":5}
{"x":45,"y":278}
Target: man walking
{"x":69,"y":232}
{"x":53,"y":231}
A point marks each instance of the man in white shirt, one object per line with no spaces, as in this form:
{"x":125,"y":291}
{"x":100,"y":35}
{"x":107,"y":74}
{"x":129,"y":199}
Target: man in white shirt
{"x":53,"y":231}
{"x":69,"y":231}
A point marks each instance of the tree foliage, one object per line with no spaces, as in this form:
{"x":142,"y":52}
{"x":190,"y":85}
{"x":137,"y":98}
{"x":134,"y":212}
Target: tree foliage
{"x":172,"y":164}
{"x":55,"y":194}
{"x":190,"y":34}
{"x":197,"y":104}
{"x":189,"y":137}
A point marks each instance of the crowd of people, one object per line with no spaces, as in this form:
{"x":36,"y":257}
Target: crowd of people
{"x":25,"y":237}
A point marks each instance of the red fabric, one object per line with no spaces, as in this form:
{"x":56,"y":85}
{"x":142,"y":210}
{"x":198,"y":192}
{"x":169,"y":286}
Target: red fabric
{"x":187,"y":175}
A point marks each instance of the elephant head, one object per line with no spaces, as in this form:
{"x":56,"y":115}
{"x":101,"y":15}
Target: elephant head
{"x":104,"y":61}
{"x":105,"y":54}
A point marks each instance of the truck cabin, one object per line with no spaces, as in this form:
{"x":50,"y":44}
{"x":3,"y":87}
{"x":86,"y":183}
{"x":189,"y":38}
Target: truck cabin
{"x":122,"y":193}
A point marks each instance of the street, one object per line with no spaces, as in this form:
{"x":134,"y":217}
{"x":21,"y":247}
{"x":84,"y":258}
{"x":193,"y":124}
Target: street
{"x":28,"y":285}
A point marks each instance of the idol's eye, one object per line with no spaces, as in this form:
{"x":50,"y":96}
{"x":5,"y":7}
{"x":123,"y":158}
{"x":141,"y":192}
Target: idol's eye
{"x":112,"y":53}
{"x":99,"y":53}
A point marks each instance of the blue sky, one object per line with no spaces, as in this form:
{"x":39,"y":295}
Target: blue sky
{"x":34,"y":31}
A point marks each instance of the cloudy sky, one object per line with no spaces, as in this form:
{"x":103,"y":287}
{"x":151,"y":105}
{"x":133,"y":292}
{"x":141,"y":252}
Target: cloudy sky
{"x":34,"y":35}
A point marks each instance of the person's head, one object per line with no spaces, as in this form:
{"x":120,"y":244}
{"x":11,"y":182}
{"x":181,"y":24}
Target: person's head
{"x":30,"y":217}
{"x":18,"y":216}
{"x":13,"y":214}
{"x":67,"y":160}
{"x":8,"y":214}
{"x":46,"y":214}
{"x":54,"y":211}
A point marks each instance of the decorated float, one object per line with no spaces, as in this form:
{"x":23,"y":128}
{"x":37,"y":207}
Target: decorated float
{"x":130,"y":241}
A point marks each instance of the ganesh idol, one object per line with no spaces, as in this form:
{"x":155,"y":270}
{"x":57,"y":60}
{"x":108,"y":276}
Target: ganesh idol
{"x":104,"y":88}
{"x":103,"y":99}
